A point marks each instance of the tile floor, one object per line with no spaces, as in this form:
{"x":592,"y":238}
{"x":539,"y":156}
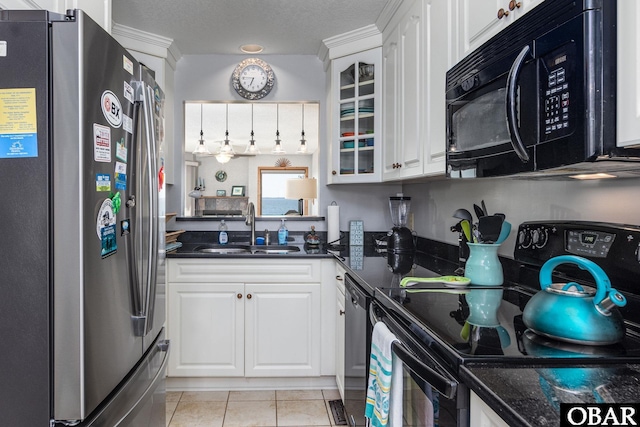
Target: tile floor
{"x":269,"y":408}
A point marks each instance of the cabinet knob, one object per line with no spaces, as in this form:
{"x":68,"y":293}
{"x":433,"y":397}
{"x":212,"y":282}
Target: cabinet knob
{"x":514,"y":4}
{"x":502,"y":13}
{"x":399,"y":165}
{"x":339,"y":278}
{"x":342,"y":312}
{"x":248,"y":296}
{"x":334,"y":173}
{"x":239,"y":296}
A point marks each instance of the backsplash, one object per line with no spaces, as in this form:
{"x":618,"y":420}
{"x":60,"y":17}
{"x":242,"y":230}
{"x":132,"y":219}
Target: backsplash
{"x":433,"y":203}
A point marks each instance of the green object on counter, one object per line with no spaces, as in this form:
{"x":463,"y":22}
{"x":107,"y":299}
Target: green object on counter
{"x":447,"y":280}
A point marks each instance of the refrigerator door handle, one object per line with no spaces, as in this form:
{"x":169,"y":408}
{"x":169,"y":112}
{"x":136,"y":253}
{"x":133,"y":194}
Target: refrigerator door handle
{"x":152,"y":182}
{"x":131,"y":241}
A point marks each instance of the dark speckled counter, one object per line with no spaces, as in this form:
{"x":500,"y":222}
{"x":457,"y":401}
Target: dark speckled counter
{"x":531,"y":396}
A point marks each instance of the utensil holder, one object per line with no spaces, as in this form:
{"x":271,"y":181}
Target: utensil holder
{"x":483,"y":266}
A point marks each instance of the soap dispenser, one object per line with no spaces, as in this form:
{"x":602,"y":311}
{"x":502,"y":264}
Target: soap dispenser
{"x":223,"y":237}
{"x":283,"y":233}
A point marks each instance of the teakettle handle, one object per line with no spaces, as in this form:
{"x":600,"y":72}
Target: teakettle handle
{"x":603,"y":283}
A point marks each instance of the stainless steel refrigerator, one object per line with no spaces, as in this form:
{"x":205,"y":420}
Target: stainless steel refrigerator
{"x":82,"y":306}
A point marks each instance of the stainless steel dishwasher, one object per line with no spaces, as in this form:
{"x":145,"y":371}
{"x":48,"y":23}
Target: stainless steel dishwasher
{"x":357,"y":349}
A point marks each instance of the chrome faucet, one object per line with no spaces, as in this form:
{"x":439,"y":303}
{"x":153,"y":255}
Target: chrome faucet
{"x":250,"y":219}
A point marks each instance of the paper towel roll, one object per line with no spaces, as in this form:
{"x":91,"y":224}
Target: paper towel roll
{"x":333,"y":223}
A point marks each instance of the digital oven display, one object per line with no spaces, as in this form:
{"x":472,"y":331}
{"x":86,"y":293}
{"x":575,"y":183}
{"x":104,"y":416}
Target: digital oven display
{"x":590,"y":243}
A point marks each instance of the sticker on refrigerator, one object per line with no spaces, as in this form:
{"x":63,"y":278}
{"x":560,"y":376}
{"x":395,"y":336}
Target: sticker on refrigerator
{"x":121,"y":150}
{"x":108,"y":238}
{"x":127,"y":64}
{"x":121,"y":176}
{"x":111,"y":108}
{"x":128,"y":92}
{"x":127,"y":123}
{"x":18,"y":123}
{"x":103,"y":182}
{"x":101,"y":143}
{"x":106,"y":217}
{"x":125,"y":225}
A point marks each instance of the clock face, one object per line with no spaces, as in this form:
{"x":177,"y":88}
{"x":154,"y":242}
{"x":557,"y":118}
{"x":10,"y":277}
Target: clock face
{"x":253,"y":78}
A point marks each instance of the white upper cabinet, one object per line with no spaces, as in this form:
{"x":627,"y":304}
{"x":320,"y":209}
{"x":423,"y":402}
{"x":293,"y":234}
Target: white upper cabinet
{"x":479,"y":20}
{"x":355,"y":146}
{"x":628,"y":107}
{"x":415,"y":61}
{"x":98,"y":10}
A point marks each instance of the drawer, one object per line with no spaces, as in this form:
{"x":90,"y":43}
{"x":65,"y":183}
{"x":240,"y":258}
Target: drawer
{"x":246,"y":271}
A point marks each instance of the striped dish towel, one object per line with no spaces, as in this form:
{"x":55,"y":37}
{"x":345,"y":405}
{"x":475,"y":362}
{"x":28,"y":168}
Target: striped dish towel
{"x":384,"y":388}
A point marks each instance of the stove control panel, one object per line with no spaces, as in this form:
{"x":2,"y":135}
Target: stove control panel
{"x":614,"y":247}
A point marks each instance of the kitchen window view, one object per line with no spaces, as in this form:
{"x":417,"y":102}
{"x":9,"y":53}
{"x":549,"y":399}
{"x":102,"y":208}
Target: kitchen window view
{"x":313,"y":214}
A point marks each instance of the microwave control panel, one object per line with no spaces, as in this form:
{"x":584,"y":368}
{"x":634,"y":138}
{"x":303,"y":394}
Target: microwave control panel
{"x":556,"y":117}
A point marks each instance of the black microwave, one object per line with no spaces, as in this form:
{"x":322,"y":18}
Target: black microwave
{"x":539,"y":95}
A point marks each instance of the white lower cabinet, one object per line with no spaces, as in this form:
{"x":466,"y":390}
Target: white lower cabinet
{"x":223,"y":322}
{"x":481,"y":415}
{"x":207,"y":329}
{"x":282,"y":330}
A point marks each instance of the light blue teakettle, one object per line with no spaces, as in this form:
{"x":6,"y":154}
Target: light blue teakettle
{"x":574,"y":313}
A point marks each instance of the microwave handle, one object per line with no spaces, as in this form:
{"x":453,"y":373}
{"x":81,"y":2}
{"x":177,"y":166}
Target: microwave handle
{"x":512,"y":80}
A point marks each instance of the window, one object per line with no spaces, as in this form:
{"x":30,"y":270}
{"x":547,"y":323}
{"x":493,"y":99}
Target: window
{"x":271,"y":190}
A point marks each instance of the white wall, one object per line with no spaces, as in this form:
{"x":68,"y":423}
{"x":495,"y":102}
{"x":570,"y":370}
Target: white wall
{"x":433,"y":203}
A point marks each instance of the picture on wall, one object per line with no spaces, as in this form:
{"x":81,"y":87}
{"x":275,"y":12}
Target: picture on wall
{"x":221,"y":192}
{"x":237,"y":190}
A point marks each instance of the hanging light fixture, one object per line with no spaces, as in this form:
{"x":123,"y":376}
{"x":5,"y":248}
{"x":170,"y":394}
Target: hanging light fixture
{"x":225,"y":153}
{"x":252,"y":148}
{"x":277,"y":149}
{"x":201,"y":149}
{"x":302,"y":148}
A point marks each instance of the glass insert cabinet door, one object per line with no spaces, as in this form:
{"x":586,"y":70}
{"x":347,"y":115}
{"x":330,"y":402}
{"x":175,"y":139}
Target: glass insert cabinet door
{"x":356,"y":139}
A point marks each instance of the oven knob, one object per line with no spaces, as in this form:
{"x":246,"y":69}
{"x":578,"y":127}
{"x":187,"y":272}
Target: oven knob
{"x":543,"y":238}
{"x":524,"y":239}
{"x":535,"y":237}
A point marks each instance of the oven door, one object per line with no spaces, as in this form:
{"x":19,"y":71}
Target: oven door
{"x":431,"y":395}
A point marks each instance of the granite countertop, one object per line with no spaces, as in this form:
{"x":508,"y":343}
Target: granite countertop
{"x":192,"y":240}
{"x":531,"y":396}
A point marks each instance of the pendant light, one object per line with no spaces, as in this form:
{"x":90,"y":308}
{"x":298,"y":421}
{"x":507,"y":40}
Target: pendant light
{"x":226,"y":150}
{"x":201,"y":149}
{"x":302,"y":148}
{"x":252,"y":148}
{"x":277,"y":149}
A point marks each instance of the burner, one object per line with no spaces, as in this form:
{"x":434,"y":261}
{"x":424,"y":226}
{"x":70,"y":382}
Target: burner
{"x":538,"y":345}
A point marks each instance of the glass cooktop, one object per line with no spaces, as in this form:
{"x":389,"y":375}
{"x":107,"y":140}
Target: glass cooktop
{"x":483,"y":324}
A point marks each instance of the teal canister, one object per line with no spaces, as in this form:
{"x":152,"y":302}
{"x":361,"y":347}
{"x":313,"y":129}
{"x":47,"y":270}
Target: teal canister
{"x":483,"y":266}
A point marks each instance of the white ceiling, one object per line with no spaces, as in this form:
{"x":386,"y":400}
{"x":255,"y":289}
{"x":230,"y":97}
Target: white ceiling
{"x":294,"y":27}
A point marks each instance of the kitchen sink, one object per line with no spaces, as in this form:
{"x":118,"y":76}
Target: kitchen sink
{"x":273,"y":249}
{"x":224,"y":249}
{"x":246,"y":249}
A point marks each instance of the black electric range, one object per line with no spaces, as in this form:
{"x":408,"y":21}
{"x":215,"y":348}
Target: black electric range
{"x":480,"y":324}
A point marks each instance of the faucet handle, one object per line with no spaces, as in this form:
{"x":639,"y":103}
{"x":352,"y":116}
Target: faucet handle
{"x":266,"y":237}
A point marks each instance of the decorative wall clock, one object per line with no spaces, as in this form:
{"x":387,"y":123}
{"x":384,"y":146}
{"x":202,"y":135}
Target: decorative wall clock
{"x":253,"y":78}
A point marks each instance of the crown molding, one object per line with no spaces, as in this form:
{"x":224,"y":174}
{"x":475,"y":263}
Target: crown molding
{"x":387,"y":14}
{"x":149,"y":43}
{"x":348,"y":43}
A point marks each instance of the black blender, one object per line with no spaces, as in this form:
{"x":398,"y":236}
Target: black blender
{"x":400,"y":239}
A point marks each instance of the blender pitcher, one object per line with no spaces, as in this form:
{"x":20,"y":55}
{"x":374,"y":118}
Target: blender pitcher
{"x":400,"y":238}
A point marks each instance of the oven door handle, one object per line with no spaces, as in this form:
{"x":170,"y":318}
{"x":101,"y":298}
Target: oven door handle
{"x":442,"y":382}
{"x":444,"y":385}
{"x":512,"y":122}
